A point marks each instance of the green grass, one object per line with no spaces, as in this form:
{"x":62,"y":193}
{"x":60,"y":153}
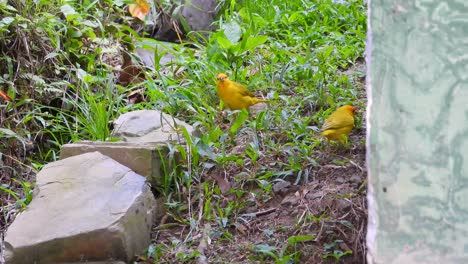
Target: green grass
{"x":292,"y":52}
{"x":297,"y":50}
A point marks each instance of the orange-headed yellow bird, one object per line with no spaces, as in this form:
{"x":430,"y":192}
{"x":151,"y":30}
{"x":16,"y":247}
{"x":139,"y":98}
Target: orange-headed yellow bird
{"x":235,"y":95}
{"x":339,"y":124}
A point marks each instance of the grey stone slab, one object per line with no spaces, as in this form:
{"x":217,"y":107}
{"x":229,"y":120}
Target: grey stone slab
{"x":86,"y":207}
{"x":144,"y":159}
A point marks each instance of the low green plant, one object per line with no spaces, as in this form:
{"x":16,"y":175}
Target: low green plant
{"x":22,"y":200}
{"x":332,"y":250}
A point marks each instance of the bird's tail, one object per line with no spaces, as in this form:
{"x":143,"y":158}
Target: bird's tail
{"x":258,"y":100}
{"x":325,"y":132}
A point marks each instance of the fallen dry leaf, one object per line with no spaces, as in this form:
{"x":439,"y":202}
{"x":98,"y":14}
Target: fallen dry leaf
{"x":5,"y":96}
{"x":140,"y":9}
{"x":130,"y":72}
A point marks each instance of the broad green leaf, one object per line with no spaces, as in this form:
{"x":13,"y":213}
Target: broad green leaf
{"x":6,"y":21}
{"x":253,"y":42}
{"x":294,"y":17}
{"x":205,"y":151}
{"x":90,"y":23}
{"x":119,"y":3}
{"x":233,"y":31}
{"x":69,"y":12}
{"x":243,"y":115}
{"x":75,"y":33}
{"x":224,"y":42}
{"x":264,"y":248}
{"x":267,"y":250}
{"x":300,"y":238}
{"x":7,"y":132}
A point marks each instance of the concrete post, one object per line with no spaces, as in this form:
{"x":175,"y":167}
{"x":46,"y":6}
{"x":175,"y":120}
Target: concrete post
{"x":417,"y":141}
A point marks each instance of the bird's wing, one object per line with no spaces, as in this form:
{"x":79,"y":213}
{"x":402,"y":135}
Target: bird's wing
{"x":337,"y":121}
{"x":243,"y":90}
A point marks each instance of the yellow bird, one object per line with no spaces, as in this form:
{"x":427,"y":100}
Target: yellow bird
{"x":339,"y":124}
{"x":235,"y":95}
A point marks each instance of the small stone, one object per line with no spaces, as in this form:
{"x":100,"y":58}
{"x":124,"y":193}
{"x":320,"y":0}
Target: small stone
{"x":340,"y":180}
{"x":238,"y":150}
{"x":355,"y":179}
{"x":290,"y":200}
{"x":344,"y":247}
{"x":314,"y":195}
{"x":149,"y":126}
{"x":280,"y":186}
{"x":342,"y":205}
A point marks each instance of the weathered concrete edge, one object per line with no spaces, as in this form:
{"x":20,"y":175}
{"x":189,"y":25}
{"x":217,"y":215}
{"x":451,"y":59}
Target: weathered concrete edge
{"x":371,"y":203}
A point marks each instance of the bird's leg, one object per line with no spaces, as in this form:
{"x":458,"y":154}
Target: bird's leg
{"x":251,"y":116}
{"x":344,"y":140}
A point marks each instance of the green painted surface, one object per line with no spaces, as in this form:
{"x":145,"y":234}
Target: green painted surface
{"x":418,"y":131}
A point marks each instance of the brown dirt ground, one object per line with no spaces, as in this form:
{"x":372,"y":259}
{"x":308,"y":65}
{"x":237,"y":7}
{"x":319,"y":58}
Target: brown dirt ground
{"x":331,"y":206}
{"x":338,"y":192}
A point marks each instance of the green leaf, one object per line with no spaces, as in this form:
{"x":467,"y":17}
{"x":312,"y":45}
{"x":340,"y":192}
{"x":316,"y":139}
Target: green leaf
{"x":75,"y":33}
{"x":6,"y":189}
{"x":243,"y":115}
{"x":51,"y":55}
{"x":90,"y":23}
{"x":233,"y":31}
{"x":264,"y":248}
{"x":6,"y":21}
{"x":253,"y":42}
{"x":294,"y":17}
{"x":224,"y":42}
{"x":69,"y":12}
{"x":300,"y":238}
{"x":119,"y":3}
{"x":7,"y":132}
{"x":224,"y":221}
{"x":205,"y":151}
{"x":7,"y":7}
{"x":82,"y":74}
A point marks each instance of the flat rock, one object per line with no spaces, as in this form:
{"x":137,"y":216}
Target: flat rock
{"x":149,"y":126}
{"x":85,"y":208}
{"x":199,"y":14}
{"x":164,"y":48}
{"x":145,"y":159}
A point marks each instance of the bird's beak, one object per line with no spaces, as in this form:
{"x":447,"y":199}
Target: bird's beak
{"x":220,"y":79}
